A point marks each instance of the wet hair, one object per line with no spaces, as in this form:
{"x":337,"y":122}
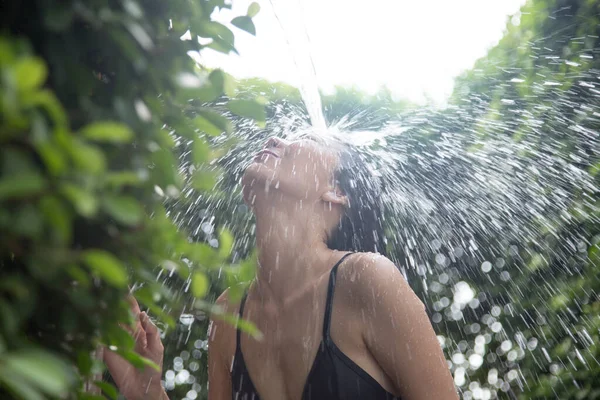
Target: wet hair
{"x":361,"y":227}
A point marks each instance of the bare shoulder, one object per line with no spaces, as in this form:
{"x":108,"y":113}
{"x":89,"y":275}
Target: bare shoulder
{"x":371,"y":276}
{"x":364,"y":269}
{"x":221,"y":333}
{"x":226,"y":303}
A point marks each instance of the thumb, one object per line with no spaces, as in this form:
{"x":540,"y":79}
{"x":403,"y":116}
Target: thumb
{"x":116,"y":364}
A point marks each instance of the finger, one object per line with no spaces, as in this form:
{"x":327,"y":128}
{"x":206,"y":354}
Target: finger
{"x":110,"y":356}
{"x":116,"y":364}
{"x":137,"y":332}
{"x":135,"y":307}
{"x":149,"y":327}
{"x":152,"y":332}
{"x":140,"y":334}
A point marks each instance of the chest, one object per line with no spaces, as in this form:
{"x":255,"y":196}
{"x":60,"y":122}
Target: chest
{"x":282,"y":360}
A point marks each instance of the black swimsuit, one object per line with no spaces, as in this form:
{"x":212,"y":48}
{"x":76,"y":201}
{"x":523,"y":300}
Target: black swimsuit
{"x":333,"y":374}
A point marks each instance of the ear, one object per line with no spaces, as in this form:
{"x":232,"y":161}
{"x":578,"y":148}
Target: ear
{"x":335,"y":196}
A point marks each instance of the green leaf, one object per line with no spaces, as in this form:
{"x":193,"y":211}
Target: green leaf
{"x":27,"y":221}
{"x":30,"y":73}
{"x":7,"y":55}
{"x":200,"y":284}
{"x":536,"y":262}
{"x":218,"y":120}
{"x":244,"y":23}
{"x":138,"y":361}
{"x":229,"y":84}
{"x":123,"y":178}
{"x":147,"y":296}
{"x":79,"y":274}
{"x":18,"y":186}
{"x":164,"y":172}
{"x":225,"y":243}
{"x":107,"y":389}
{"x":58,"y":217}
{"x":121,"y":338}
{"x":201,"y":253}
{"x":112,"y":132}
{"x":247,"y":270}
{"x":88,"y":396}
{"x":217,"y":31}
{"x":206,"y":126}
{"x":126,"y":210}
{"x":563,"y":348}
{"x":248,"y":109}
{"x":17,"y":162}
{"x":41,"y":369}
{"x":594,"y":254}
{"x":220,"y":47}
{"x":206,"y":93}
{"x":559,"y":302}
{"x":242,"y":324}
{"x":84,"y":362}
{"x":18,"y":385}
{"x":200,"y":151}
{"x":88,"y":158}
{"x":253,"y":9}
{"x":9,"y":317}
{"x":204,"y":180}
{"x":53,"y":157}
{"x":107,"y":267}
{"x":48,"y":101}
{"x":217,"y":79}
{"x":83,"y":201}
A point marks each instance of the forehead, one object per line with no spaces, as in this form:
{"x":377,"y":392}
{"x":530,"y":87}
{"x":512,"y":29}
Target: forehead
{"x":324,"y":142}
{"x":313,"y":148}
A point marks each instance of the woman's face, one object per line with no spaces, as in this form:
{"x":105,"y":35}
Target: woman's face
{"x":301,"y":169}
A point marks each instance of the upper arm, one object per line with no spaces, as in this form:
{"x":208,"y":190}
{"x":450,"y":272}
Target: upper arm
{"x":219,"y":337}
{"x":398,"y":332}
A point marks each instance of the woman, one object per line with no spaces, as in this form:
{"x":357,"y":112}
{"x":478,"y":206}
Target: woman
{"x":338,"y":320}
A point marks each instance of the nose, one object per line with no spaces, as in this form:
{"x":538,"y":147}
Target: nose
{"x":277,"y":143}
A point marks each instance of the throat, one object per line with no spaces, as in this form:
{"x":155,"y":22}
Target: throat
{"x":291,"y":259}
{"x":283,"y":280}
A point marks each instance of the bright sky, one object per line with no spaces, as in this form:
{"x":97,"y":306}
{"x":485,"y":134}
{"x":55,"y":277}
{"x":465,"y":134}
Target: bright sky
{"x":414,"y":47}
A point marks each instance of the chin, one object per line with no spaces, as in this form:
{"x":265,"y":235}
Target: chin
{"x":255,"y":176}
{"x":259,"y":178}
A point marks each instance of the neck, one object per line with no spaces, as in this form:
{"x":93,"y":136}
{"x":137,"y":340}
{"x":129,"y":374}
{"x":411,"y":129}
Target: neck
{"x":292,"y":249}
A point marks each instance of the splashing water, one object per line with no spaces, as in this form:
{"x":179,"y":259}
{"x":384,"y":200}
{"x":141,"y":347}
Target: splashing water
{"x":499,"y":195}
{"x":287,"y":13}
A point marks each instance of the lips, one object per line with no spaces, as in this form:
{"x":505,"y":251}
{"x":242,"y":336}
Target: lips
{"x":266,"y":152}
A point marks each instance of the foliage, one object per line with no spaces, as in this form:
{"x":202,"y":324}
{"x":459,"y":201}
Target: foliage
{"x":540,"y":327}
{"x":94,"y":98}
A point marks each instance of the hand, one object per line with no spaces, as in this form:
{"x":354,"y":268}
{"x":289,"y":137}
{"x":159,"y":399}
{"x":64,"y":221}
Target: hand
{"x":133,"y":383}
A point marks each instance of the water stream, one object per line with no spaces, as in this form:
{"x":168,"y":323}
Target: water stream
{"x":289,"y":15}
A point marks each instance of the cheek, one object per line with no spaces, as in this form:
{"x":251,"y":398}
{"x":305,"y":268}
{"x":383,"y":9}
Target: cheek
{"x":307,"y":172}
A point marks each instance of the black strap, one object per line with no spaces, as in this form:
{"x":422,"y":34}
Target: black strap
{"x":240,"y":315}
{"x":329,"y":301}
